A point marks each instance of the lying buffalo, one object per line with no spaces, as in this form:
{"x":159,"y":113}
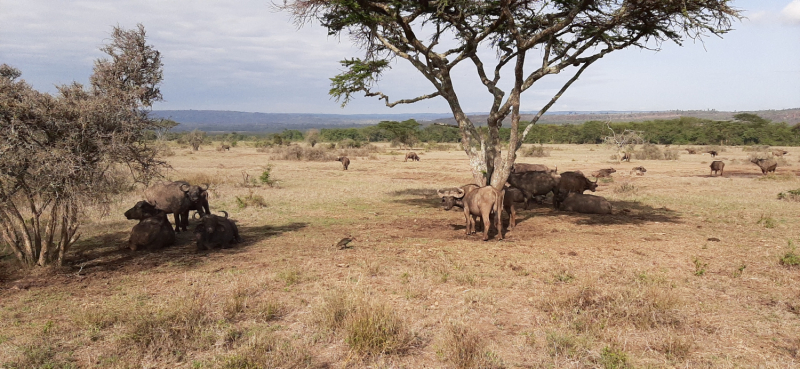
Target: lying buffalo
{"x":412,"y":155}
{"x":178,"y":198}
{"x":640,"y":171}
{"x":587,"y":204}
{"x":523,"y":167}
{"x":477,"y":202}
{"x":224,"y":148}
{"x":153,"y":230}
{"x":779,"y":152}
{"x":717,"y":166}
{"x":345,"y":162}
{"x":766,"y":165}
{"x":215,"y":231}
{"x":534,"y":184}
{"x":604,"y":173}
{"x":571,"y":182}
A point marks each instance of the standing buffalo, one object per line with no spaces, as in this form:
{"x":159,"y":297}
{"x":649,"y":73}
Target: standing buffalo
{"x":523,"y":167}
{"x":691,"y":151}
{"x":345,"y":162}
{"x":215,"y":231}
{"x":713,"y":153}
{"x":224,"y":148}
{"x":477,"y":202}
{"x":627,"y":156}
{"x":717,"y":166}
{"x":178,"y":198}
{"x":153,"y":230}
{"x":766,"y":165}
{"x":412,"y":155}
{"x":511,"y":197}
{"x":534,"y":183}
{"x":587,"y":204}
{"x":571,"y":182}
{"x":604,"y":173}
{"x":779,"y":152}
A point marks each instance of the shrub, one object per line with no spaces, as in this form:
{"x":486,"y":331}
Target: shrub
{"x":649,"y":151}
{"x":433,"y":146}
{"x":699,"y":267}
{"x":614,"y":358}
{"x":464,"y":348}
{"x":348,"y":143}
{"x":767,"y":221}
{"x":266,"y":177}
{"x":264,"y":350}
{"x":791,"y":195}
{"x":374,"y":328}
{"x":791,"y":258}
{"x":301,"y":153}
{"x":625,"y":188}
{"x":251,"y":200}
{"x":536,"y":151}
{"x":754,"y":148}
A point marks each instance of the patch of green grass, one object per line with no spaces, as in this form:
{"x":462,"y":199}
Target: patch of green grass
{"x":699,"y":267}
{"x":767,"y":221}
{"x":614,"y":358}
{"x":738,"y":272}
{"x":791,"y":195}
{"x":251,"y":200}
{"x":563,"y":276}
{"x":790,"y":258}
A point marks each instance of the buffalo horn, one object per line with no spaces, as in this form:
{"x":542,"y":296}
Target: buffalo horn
{"x":205,"y":189}
{"x":195,"y":215}
{"x":187,"y":187}
{"x":461,"y":192}
{"x":439,"y":192}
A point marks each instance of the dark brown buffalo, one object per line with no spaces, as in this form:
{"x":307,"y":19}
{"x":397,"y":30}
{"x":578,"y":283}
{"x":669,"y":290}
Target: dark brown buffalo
{"x":524,"y":167}
{"x":215,"y":231}
{"x":779,"y":152}
{"x":510,"y":199}
{"x":153,"y":230}
{"x":603,"y":173}
{"x":717,"y":166}
{"x":571,"y":182}
{"x":412,"y":155}
{"x":766,"y":165}
{"x":178,"y":198}
{"x":224,"y":148}
{"x":640,"y":171}
{"x":477,"y":202}
{"x":534,"y":184}
{"x":345,"y":162}
{"x":713,"y":153}
{"x":627,"y":156}
{"x":587,"y":204}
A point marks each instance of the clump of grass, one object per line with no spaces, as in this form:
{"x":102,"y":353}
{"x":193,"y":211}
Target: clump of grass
{"x":290,"y":276}
{"x":349,"y":143}
{"x":535,"y":151}
{"x":364,"y":150}
{"x":464,"y":348}
{"x":211,"y":179}
{"x":235,"y":303}
{"x":767,"y":221}
{"x":266,"y":177}
{"x":251,"y":200}
{"x":738,"y":272}
{"x":300,"y":153}
{"x":790,"y":258}
{"x":563,"y":276}
{"x":650,"y":151}
{"x":614,"y":358}
{"x":40,"y":355}
{"x":787,"y":176}
{"x":755,"y":148}
{"x":676,"y":348}
{"x":562,"y":344}
{"x":334,"y":310}
{"x":264,"y":350}
{"x":374,"y":328}
{"x":625,"y":188}
{"x":433,"y":146}
{"x":699,"y":267}
{"x":269,"y":310}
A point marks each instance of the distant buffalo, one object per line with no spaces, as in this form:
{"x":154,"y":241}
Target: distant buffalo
{"x":587,"y":204}
{"x":153,"y":230}
{"x":766,"y":165}
{"x":603,"y":173}
{"x":713,"y":153}
{"x":345,"y":162}
{"x":640,"y":171}
{"x":779,"y":152}
{"x":717,"y":166}
{"x":477,"y":202}
{"x":627,"y":156}
{"x":412,"y":155}
{"x":224,"y":148}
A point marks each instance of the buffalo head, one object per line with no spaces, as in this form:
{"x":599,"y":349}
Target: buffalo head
{"x":141,"y":210}
{"x":450,"y":197}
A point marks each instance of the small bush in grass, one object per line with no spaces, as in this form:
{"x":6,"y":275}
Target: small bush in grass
{"x":334,"y":310}
{"x":433,"y":146}
{"x":625,"y":188}
{"x":614,"y":358}
{"x":464,"y":348}
{"x":348,"y":143}
{"x":791,"y":195}
{"x":653,"y":152}
{"x":251,"y":200}
{"x":755,"y":148}
{"x":264,"y":350}
{"x":675,"y":348}
{"x":560,"y":344}
{"x":266,"y":178}
{"x":791,"y":258}
{"x":374,"y":328}
{"x":39,"y":355}
{"x":767,"y":221}
{"x":301,"y":153}
{"x":671,"y":154}
{"x":699,"y":267}
{"x":536,"y":151}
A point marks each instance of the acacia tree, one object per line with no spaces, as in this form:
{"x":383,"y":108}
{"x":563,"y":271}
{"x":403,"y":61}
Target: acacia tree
{"x":532,"y":38}
{"x":59,"y":153}
{"x":622,"y":139}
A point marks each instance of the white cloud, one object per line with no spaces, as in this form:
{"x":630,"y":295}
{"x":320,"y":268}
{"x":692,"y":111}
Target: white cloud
{"x":792,"y":12}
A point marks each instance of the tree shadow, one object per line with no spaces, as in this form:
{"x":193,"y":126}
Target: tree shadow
{"x":421,"y":197}
{"x":624,"y":212}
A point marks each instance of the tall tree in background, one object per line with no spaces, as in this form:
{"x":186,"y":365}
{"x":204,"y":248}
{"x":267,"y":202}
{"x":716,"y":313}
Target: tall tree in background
{"x":61,"y":153}
{"x":532,"y":38}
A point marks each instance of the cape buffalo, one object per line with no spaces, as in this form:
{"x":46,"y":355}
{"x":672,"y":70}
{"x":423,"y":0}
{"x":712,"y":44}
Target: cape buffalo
{"x":691,"y":151}
{"x":640,"y":171}
{"x":412,"y":155}
{"x":571,"y":182}
{"x":479,"y":202}
{"x":523,"y":167}
{"x":511,"y":197}
{"x":215,"y":231}
{"x":766,"y":165}
{"x":627,"y":156}
{"x":224,"y":148}
{"x":603,"y":173}
{"x":587,"y":204}
{"x":153,"y":230}
{"x":713,"y":153}
{"x":178,"y":198}
{"x":534,"y":183}
{"x":779,"y":152}
{"x":717,"y":166}
{"x":345,"y":161}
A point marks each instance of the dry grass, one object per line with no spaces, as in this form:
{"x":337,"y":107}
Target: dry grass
{"x":690,"y":271}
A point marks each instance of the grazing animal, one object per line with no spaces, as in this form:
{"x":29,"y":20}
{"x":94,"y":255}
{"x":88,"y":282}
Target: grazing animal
{"x":215,"y":231}
{"x":477,"y":202}
{"x":342,"y":244}
{"x":779,"y":152}
{"x":713,"y":153}
{"x":691,"y":151}
{"x":766,"y":165}
{"x":587,"y":204}
{"x":627,"y":156}
{"x":717,"y":166}
{"x":640,"y":171}
{"x":345,"y":162}
{"x":153,"y":230}
{"x":178,"y":198}
{"x":604,"y":173}
{"x":511,"y":197}
{"x":571,"y":182}
{"x":412,"y":155}
{"x":534,"y":184}
{"x":224,"y":148}
{"x":524,"y":167}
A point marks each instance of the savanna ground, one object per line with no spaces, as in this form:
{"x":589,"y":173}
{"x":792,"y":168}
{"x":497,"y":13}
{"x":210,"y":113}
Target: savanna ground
{"x":685,"y":273}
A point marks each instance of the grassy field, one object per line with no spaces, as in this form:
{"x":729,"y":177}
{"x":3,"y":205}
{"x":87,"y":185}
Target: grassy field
{"x":687,"y":272}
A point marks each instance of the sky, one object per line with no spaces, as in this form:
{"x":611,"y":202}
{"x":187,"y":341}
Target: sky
{"x":251,"y":57}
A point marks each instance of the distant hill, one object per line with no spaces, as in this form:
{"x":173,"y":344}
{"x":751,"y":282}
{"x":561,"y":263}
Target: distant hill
{"x":235,"y":121}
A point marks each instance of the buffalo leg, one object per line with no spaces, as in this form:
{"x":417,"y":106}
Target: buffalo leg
{"x":177,"y":217}
{"x":486,"y":216}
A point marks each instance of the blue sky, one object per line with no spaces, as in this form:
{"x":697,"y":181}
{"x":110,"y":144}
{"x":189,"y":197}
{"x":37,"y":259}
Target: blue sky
{"x":248,"y":57}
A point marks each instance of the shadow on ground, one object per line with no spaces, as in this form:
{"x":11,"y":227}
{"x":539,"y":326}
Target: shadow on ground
{"x":420,"y":197}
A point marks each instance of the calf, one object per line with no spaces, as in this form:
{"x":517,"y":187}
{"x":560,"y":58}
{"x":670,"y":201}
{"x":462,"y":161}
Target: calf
{"x":153,"y":230}
{"x":627,"y":156}
{"x":345,"y":162}
{"x":717,"y":166}
{"x":483,"y":202}
{"x":587,"y":204}
{"x":412,"y":155}
{"x":215,"y":231}
{"x":224,"y":148}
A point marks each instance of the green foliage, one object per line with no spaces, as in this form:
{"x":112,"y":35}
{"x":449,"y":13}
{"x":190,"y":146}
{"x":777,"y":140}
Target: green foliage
{"x":266,"y":177}
{"x":614,"y":358}
{"x":791,"y":258}
{"x":699,"y":267}
{"x":791,"y":195}
{"x":359,"y":77}
{"x":292,"y":135}
{"x":404,"y":132}
{"x":767,"y":221}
